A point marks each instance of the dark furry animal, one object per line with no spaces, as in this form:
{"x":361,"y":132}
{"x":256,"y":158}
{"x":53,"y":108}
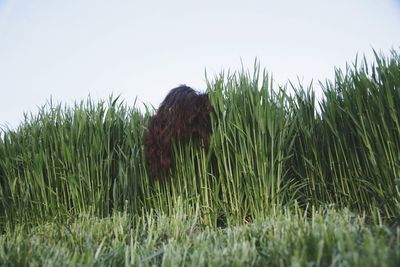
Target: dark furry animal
{"x":184,"y":114}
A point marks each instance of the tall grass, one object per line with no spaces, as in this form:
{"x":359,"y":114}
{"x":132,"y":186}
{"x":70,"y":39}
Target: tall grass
{"x":349,"y":153}
{"x":66,"y":161}
{"x":268,"y":149}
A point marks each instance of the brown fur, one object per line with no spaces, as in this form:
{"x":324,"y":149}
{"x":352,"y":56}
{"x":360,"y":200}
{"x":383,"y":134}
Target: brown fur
{"x":184,"y":114}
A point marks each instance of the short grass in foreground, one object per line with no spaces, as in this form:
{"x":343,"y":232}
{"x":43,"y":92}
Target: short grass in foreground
{"x":324,"y":237}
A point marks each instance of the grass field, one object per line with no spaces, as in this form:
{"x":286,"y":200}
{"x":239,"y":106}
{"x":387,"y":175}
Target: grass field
{"x":286,"y":181}
{"x":284,"y":238}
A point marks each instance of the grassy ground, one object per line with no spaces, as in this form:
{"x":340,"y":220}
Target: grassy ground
{"x":286,"y":181}
{"x":325,"y":237}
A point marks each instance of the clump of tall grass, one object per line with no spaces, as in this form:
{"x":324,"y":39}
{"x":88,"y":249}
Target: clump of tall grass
{"x":267,"y":149}
{"x":70,"y":160}
{"x":349,"y":152}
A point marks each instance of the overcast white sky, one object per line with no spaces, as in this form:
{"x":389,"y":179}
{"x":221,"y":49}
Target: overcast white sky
{"x":70,"y":49}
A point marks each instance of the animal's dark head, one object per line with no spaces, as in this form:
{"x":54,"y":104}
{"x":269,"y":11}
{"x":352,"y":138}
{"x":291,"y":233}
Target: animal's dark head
{"x":184,"y":114}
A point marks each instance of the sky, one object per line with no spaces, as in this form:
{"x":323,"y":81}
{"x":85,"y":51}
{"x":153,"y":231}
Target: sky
{"x":68,"y":50}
